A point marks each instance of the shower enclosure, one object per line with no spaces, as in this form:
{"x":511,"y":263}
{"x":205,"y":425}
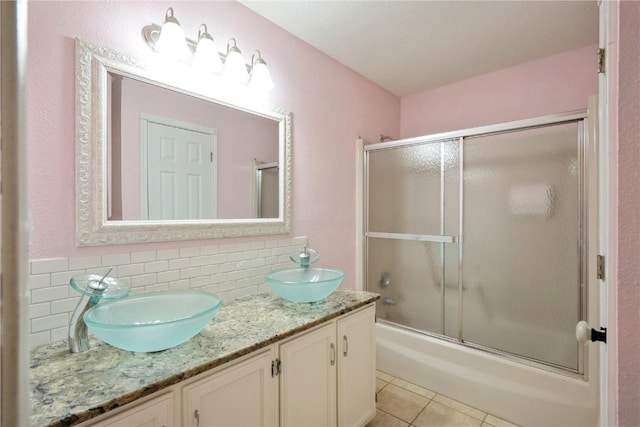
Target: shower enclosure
{"x":479,"y":238}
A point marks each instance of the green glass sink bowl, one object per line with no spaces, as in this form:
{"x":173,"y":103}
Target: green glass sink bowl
{"x":308,"y":284}
{"x":153,"y":321}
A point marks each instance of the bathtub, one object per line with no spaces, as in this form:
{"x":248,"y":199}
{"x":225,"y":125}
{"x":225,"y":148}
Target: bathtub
{"x":522,"y":394}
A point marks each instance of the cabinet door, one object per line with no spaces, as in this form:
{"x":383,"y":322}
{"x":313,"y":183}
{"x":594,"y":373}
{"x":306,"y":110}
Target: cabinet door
{"x":157,"y":412}
{"x":308,"y":379}
{"x":356,"y":368}
{"x":244,"y":394}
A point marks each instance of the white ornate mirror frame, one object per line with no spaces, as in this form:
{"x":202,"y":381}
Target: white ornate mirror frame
{"x":93,"y":63}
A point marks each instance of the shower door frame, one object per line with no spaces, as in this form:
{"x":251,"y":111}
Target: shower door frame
{"x":587,"y":157}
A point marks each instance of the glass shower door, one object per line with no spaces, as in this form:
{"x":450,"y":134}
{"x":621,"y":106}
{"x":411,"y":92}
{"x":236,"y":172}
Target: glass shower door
{"x":522,"y":243}
{"x":407,"y":232}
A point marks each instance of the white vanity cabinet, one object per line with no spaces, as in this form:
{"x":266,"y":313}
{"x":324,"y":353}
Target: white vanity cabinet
{"x":156,"y":412}
{"x":327,"y":375}
{"x":321,"y":377}
{"x":244,"y":394}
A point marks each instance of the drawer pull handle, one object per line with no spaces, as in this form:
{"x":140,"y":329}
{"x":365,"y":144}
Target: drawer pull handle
{"x":197,"y":415}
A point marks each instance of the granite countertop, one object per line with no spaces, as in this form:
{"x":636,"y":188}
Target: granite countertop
{"x":67,"y":389}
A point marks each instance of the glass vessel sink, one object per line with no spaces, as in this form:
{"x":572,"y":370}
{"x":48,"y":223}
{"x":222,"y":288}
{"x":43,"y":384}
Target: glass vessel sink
{"x":153,"y":321}
{"x":307,"y":284}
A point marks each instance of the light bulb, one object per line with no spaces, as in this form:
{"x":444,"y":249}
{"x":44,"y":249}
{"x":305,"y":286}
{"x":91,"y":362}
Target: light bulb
{"x":172,"y":42}
{"x":260,"y":77}
{"x":207,"y":56}
{"x":234,"y":67}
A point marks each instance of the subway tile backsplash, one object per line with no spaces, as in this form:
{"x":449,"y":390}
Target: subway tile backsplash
{"x":229,"y":270}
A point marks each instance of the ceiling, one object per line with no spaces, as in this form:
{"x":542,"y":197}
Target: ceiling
{"x":411,"y":46}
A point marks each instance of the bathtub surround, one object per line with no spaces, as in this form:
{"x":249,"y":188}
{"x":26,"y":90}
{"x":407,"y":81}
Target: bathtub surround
{"x":229,"y":270}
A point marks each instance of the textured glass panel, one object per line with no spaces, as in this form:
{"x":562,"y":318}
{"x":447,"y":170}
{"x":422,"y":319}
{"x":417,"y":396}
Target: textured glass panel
{"x":521,"y":260}
{"x":408,"y":275}
{"x":404,"y":189}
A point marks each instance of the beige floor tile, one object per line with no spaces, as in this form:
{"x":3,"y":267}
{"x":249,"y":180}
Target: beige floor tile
{"x":382,"y":419}
{"x":498,"y":422}
{"x":414,"y":388}
{"x":436,"y":414}
{"x":380,"y":384}
{"x":383,"y":376}
{"x":465,"y":409}
{"x":401,"y":403}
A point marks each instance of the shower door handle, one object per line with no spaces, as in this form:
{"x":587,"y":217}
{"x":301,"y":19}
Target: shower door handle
{"x":585,"y":333}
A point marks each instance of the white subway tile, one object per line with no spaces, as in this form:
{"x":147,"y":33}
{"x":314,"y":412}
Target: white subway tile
{"x":189,"y":252}
{"x":52,"y":265}
{"x":250,"y":290}
{"x":263,"y":288}
{"x":271,"y":243}
{"x":157,"y":287}
{"x":271,"y":260}
{"x":284,"y":243}
{"x":214,"y":289}
{"x":235,"y":293}
{"x":234,"y":275}
{"x":228,"y":248}
{"x":39,"y":281}
{"x":198,"y":282}
{"x":223,"y":296}
{"x":49,"y":322}
{"x":168,"y":254}
{"x":179,"y":284}
{"x":209,"y":250}
{"x":299,"y":241}
{"x":243,"y":265}
{"x":39,"y":338}
{"x":218,"y":278}
{"x":64,"y":305}
{"x":241,"y":247}
{"x":129,"y":270}
{"x":258,"y":262}
{"x":156,"y":266}
{"x":39,"y":310}
{"x":264,"y":253}
{"x":168,"y":276}
{"x":284,"y":258}
{"x":258,"y":245}
{"x":235,"y":256}
{"x":59,"y":334}
{"x":250,"y":272}
{"x":113,"y":260}
{"x":218,"y":259}
{"x":187,"y":273}
{"x":84,"y":263}
{"x":257,"y":280}
{"x":144,"y":280}
{"x":209,"y":269}
{"x":243,"y":283}
{"x":63,"y":277}
{"x":197,"y":261}
{"x":249,"y":255}
{"x":226,"y":267}
{"x":49,"y":294}
{"x":177,"y":264}
{"x":146,"y":256}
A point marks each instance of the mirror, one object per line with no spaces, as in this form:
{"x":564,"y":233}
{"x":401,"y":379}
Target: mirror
{"x":162,"y":153}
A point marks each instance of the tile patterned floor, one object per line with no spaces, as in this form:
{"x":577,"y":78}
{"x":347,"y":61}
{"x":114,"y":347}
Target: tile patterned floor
{"x":402,"y":404}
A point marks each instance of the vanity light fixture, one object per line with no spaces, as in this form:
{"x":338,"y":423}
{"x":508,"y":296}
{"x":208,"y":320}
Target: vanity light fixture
{"x":207,"y":56}
{"x":260,"y":75}
{"x":234,"y":67}
{"x":169,"y":39}
{"x":172,"y":41}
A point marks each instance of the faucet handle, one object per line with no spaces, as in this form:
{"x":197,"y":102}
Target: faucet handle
{"x":305,"y":257}
{"x":100,"y":285}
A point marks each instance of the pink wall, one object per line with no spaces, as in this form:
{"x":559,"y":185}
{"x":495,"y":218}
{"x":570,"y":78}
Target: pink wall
{"x":328,"y":115}
{"x":625,"y":321}
{"x":241,"y":138}
{"x":551,"y":85}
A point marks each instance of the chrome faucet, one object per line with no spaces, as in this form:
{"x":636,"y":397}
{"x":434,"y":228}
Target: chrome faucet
{"x":93,"y":288}
{"x":306,"y":257}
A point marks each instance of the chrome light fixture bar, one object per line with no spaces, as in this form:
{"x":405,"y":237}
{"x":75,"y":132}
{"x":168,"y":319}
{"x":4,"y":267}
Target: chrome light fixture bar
{"x":167,"y":39}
